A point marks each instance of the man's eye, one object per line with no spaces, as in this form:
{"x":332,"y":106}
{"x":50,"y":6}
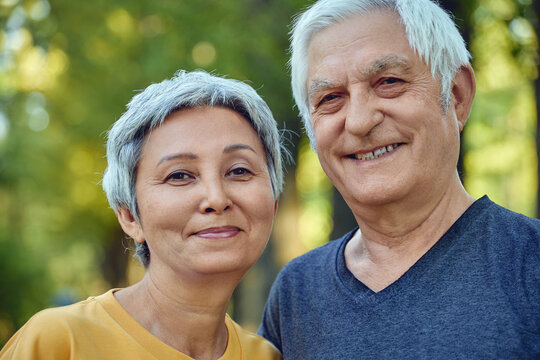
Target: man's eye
{"x":390,"y":81}
{"x":390,"y":87}
{"x":327,"y":98}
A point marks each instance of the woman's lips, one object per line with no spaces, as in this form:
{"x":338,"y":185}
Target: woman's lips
{"x":221,"y":232}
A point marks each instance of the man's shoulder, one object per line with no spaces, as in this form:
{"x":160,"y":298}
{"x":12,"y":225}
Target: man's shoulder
{"x":506,"y":242}
{"x":496,"y":210}
{"x":511,"y":228}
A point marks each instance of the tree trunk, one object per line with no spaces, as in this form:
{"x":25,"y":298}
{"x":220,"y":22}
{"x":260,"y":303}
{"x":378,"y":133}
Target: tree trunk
{"x":461,"y":11}
{"x":343,"y":217}
{"x":116,"y":257}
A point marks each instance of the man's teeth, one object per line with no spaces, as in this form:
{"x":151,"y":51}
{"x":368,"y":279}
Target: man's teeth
{"x":377,"y":153}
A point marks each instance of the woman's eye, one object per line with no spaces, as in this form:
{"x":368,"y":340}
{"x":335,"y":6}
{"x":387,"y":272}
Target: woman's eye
{"x":178,"y":176}
{"x":238,"y":172}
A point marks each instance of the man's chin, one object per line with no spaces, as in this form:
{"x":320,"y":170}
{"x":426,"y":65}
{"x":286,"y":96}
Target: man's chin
{"x":374,"y":195}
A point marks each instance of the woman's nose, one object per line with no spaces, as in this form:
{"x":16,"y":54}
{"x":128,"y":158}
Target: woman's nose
{"x":215,"y":199}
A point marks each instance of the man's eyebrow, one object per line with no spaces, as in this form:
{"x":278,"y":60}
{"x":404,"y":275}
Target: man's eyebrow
{"x":374,"y":68}
{"x":319,"y":86}
{"x":187,"y":156}
{"x":385,"y":63}
{"x":234,"y":147}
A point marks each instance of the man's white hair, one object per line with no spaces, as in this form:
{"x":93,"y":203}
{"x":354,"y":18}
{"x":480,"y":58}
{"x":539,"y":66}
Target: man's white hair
{"x":431,"y":33}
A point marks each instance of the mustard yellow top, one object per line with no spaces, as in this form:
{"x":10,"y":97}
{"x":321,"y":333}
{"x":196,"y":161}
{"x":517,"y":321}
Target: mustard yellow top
{"x":100,"y":328}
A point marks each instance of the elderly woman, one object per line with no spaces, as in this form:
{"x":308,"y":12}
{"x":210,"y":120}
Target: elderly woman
{"x":194,"y":172}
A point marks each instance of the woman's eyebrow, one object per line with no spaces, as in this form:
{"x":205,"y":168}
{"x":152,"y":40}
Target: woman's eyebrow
{"x":192,"y":156}
{"x":235,"y":147}
{"x":187,"y":156}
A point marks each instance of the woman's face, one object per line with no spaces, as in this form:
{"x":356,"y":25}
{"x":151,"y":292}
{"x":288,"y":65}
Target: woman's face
{"x":204,"y":193}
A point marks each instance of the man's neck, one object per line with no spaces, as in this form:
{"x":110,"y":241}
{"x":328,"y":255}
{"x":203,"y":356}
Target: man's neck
{"x":388,"y":244}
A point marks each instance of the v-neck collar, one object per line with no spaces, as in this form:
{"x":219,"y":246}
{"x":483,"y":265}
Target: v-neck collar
{"x":416,"y":274}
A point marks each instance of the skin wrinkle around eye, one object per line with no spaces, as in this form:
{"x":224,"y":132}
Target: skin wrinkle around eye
{"x":386,"y":63}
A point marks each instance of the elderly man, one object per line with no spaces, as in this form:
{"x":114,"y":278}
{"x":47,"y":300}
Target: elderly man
{"x":384,"y":88}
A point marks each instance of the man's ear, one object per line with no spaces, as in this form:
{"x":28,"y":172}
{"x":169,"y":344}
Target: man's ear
{"x":130,"y":225}
{"x":276,"y":206}
{"x":463,"y":90}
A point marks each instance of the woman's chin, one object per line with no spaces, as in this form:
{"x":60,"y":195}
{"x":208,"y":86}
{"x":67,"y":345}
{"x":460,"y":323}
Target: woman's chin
{"x":221,"y":266}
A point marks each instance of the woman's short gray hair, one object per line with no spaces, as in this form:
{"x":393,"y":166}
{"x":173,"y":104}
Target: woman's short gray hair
{"x":431,"y":33}
{"x":149,"y":109}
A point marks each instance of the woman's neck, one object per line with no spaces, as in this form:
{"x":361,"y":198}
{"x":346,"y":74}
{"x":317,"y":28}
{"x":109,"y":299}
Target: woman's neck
{"x":188,"y":316}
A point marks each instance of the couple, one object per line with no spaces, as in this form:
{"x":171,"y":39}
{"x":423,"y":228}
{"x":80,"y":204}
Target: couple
{"x":384,"y":88}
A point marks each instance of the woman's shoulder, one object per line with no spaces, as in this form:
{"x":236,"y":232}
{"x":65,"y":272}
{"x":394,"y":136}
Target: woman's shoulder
{"x":47,"y":333}
{"x":89,"y":310}
{"x":50,"y":331}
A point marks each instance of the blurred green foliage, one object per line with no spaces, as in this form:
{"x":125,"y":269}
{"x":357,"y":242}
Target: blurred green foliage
{"x":500,"y":150}
{"x":67,"y":69}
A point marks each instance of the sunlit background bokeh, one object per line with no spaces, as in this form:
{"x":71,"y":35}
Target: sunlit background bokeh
{"x":67,"y":69}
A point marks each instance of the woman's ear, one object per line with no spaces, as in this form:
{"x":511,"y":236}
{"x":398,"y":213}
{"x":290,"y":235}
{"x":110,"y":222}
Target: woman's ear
{"x":130,"y":225}
{"x":463,"y":90}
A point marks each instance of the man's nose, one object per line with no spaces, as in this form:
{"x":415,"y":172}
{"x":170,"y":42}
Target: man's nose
{"x":215,"y":199}
{"x":362,"y":115}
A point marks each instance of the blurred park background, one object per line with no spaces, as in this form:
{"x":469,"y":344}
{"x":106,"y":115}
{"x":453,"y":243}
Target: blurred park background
{"x":68,"y":67}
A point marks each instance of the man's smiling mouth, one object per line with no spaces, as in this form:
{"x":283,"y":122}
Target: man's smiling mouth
{"x":372,"y":155}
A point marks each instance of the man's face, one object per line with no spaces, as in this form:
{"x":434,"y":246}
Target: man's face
{"x":382,"y":135}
